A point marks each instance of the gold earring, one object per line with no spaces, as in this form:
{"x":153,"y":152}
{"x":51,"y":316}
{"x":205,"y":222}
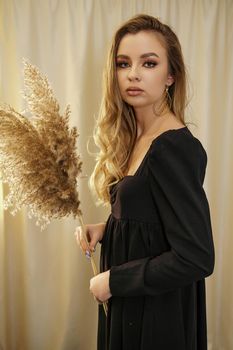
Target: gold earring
{"x":163,"y":104}
{"x":169,"y":100}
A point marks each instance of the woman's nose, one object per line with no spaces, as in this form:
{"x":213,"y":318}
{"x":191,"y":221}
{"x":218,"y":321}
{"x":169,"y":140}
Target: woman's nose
{"x":133,"y":74}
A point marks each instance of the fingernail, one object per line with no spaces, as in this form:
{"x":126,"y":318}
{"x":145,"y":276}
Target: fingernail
{"x":88,"y":254}
{"x":93,"y":249}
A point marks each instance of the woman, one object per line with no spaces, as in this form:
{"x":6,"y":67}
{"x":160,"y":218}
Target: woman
{"x":157,"y":246}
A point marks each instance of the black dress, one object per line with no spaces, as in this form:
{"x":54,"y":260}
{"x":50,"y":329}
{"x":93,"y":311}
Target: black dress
{"x":159,"y":248}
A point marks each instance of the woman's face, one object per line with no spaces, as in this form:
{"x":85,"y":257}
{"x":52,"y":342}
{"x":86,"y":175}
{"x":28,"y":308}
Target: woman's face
{"x":149,"y":73}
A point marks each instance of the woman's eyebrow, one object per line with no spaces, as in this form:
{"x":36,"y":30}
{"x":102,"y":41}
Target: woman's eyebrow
{"x":148,"y":54}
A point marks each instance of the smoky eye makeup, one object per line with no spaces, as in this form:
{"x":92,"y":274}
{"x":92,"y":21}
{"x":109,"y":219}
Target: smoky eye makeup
{"x":147,"y":63}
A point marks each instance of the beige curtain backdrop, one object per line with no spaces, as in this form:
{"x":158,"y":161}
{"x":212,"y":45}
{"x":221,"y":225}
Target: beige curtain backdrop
{"x":44,"y":279}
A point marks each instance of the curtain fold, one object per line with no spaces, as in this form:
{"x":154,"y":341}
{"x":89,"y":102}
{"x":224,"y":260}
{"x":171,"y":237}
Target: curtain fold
{"x":44,"y":279}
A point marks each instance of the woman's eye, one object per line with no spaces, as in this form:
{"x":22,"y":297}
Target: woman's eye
{"x":151,"y":64}
{"x":120,"y":64}
{"x":148,"y":64}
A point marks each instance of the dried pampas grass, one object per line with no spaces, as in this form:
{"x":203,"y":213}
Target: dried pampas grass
{"x":38,"y":157}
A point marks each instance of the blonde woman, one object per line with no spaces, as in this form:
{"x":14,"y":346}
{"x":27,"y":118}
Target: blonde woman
{"x":156,"y":246}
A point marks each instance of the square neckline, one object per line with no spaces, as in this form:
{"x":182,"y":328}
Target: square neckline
{"x":147,"y":152}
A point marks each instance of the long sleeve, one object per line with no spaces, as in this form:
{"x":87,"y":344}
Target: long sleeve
{"x":176,"y":170}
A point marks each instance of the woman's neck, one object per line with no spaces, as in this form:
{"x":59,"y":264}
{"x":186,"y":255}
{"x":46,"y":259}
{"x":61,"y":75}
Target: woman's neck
{"x":148,"y":123}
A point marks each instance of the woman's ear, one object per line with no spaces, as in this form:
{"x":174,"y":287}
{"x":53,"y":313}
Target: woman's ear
{"x":170,"y":80}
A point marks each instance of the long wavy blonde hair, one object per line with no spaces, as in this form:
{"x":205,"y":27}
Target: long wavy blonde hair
{"x":115,"y":130}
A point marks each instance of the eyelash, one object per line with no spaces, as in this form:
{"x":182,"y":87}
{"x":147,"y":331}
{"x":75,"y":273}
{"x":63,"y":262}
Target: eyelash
{"x":120,"y":63}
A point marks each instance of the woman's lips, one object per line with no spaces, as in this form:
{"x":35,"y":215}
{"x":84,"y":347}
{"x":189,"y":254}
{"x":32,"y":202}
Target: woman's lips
{"x":134,"y":92}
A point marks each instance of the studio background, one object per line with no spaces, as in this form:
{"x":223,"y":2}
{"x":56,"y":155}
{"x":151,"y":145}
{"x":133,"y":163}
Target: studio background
{"x":44,"y":279}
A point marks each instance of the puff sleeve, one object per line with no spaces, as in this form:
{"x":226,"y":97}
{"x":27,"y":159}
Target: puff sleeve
{"x":176,"y":170}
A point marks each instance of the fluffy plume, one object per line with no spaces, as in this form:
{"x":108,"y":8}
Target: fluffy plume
{"x":38,"y":156}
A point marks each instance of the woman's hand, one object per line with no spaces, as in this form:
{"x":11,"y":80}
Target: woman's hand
{"x":94,"y":234}
{"x":99,"y":286}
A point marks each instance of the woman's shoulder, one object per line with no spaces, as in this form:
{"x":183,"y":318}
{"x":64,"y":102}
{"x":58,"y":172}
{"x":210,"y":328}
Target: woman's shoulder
{"x":178,"y":143}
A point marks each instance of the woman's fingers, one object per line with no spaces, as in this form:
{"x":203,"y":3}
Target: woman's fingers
{"x":81,"y":241}
{"x":98,"y":301}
